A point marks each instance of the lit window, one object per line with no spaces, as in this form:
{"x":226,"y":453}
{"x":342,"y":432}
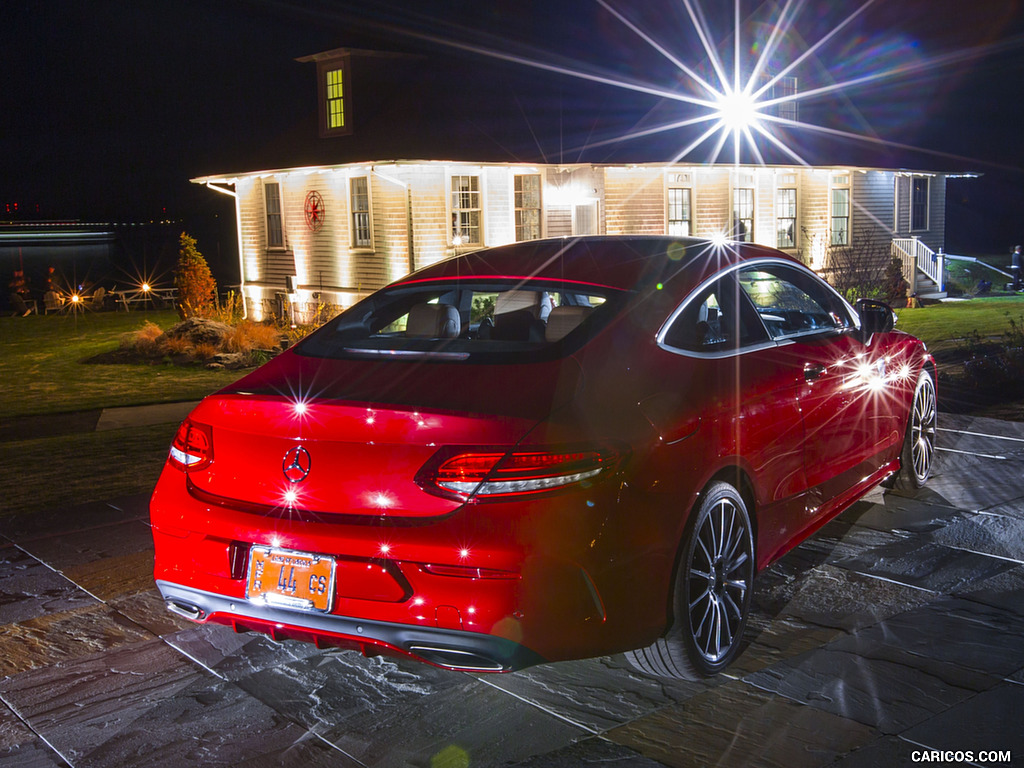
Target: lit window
{"x":466,"y":210}
{"x":919,"y":203}
{"x":527,"y":190}
{"x":334,"y":90}
{"x":840,"y":229}
{"x":785,"y":218}
{"x":360,"y":203}
{"x":335,"y":99}
{"x":275,"y":230}
{"x":743,"y":215}
{"x":680,"y":222}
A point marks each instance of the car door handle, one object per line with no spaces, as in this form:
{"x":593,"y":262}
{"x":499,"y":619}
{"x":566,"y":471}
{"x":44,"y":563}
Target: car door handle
{"x":814,"y":371}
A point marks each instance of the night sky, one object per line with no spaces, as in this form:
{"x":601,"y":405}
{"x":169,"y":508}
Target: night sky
{"x":110,"y":107}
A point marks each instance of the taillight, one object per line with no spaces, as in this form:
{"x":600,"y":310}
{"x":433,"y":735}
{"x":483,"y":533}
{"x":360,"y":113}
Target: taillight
{"x":468,"y":474}
{"x":192,"y":447}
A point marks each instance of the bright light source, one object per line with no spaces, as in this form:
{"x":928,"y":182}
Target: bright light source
{"x":737,"y":110}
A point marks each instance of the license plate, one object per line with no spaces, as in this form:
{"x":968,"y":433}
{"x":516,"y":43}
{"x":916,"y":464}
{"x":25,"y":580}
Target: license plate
{"x":287,"y":579}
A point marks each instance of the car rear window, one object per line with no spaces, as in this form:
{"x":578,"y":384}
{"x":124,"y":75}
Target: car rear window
{"x":502,"y":321}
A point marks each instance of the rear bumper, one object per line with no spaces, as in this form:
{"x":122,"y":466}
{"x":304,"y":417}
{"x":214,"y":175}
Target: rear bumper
{"x":496,"y":587}
{"x":451,"y":649}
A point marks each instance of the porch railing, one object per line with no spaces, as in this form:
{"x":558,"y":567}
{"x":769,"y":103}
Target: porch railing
{"x":916,"y":256}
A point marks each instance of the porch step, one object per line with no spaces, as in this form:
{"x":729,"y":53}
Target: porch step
{"x":928,"y":288}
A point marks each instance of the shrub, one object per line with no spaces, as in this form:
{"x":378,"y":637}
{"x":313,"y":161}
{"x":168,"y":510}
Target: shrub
{"x":995,"y":366}
{"x":142,"y":340}
{"x":175,"y":346}
{"x":197,"y":290}
{"x":247,"y":336}
{"x":205,"y":351}
{"x":230,"y":310}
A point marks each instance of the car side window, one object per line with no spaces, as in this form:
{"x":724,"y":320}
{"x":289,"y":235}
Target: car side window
{"x":791,"y":302}
{"x":715,"y":319}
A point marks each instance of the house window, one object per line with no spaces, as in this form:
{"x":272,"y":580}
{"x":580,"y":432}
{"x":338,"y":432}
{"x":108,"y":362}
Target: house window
{"x":919,"y":203}
{"x":335,"y":99}
{"x":785,"y":218}
{"x":527,"y":192}
{"x":840,"y":212}
{"x":359,"y":202}
{"x":466,"y":210}
{"x":275,"y":230}
{"x":680,"y":222}
{"x":743,"y":215}
{"x":335,"y":91}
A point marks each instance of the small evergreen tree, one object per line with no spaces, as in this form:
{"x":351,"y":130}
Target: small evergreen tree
{"x":894,"y":286}
{"x":197,"y":290}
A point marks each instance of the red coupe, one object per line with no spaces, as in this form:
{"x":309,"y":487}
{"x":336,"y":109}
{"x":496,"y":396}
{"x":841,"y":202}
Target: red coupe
{"x":543,"y":451}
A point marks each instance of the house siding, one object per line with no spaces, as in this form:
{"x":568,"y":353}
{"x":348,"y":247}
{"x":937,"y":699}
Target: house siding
{"x":410,"y":216}
{"x":634,"y":201}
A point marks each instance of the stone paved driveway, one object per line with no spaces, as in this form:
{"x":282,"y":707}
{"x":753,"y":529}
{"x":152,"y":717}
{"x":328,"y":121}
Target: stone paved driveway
{"x":900,"y":627}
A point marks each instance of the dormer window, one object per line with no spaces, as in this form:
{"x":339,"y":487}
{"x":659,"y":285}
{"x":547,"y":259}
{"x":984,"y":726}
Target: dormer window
{"x":335,"y":85}
{"x":335,"y":99}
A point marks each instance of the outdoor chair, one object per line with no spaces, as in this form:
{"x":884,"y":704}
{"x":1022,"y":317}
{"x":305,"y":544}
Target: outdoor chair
{"x":51,"y":302}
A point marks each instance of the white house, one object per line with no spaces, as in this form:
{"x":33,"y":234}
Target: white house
{"x":329,"y":234}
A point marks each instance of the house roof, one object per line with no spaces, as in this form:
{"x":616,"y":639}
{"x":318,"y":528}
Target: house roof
{"x":429,"y":105}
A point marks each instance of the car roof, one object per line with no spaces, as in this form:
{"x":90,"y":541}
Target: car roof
{"x":620,"y":262}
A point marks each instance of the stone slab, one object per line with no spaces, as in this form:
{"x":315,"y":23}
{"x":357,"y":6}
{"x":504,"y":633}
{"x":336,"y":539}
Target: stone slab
{"x":20,"y":747}
{"x":386,"y":712}
{"x":737,"y":724}
{"x":594,"y":751}
{"x":833,"y":597}
{"x":596,"y":694}
{"x":62,"y":551}
{"x":989,"y":721}
{"x":22,"y":528}
{"x":989,"y":534}
{"x":58,"y":637}
{"x":922,"y":564}
{"x":967,"y":634}
{"x":147,"y":609}
{"x":231,"y":655}
{"x":882,"y":687}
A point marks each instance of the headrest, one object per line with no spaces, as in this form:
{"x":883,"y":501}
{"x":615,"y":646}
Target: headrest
{"x":563,"y":319}
{"x":433,"y":321}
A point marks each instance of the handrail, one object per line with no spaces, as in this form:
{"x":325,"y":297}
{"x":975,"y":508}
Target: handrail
{"x":916,"y":256}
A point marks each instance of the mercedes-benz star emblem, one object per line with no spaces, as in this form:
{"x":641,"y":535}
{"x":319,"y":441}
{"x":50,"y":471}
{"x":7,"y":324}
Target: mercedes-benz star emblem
{"x":296,"y":464}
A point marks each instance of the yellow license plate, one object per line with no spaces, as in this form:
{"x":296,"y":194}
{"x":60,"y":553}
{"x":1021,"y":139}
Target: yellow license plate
{"x":286,"y":579}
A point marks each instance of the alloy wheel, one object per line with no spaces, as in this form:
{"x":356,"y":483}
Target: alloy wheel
{"x":720,"y":575}
{"x":922,"y":425}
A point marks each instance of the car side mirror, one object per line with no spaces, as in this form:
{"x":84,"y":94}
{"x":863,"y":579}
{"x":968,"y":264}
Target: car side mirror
{"x":875,"y":317}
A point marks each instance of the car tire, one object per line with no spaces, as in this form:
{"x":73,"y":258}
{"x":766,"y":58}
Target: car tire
{"x":712,"y":592}
{"x":918,"y":451}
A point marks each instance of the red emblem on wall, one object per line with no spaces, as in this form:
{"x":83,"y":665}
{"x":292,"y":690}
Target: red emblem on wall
{"x":314,"y":210}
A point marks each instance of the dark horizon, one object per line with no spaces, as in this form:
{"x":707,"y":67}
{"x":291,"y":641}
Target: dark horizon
{"x":111,"y":108}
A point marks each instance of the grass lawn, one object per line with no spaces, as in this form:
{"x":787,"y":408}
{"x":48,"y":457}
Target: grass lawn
{"x":42,"y":366}
{"x":941,"y":326}
{"x":75,"y":469}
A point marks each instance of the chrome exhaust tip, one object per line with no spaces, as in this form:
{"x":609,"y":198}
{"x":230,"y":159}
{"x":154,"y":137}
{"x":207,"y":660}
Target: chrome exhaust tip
{"x":189,"y":611}
{"x":452,"y":658}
